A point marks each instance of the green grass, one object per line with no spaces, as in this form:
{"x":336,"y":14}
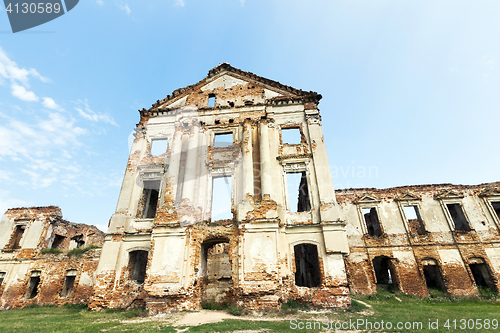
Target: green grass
{"x":79,"y":252}
{"x":385,"y":306}
{"x":51,"y":250}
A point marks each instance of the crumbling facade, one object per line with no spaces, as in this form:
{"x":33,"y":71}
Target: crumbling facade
{"x":261,"y":139}
{"x":228,"y":197}
{"x":420,"y":237}
{"x":29,"y":275}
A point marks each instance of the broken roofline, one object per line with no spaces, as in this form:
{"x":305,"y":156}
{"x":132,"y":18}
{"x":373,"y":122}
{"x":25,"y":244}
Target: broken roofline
{"x":294,"y":94}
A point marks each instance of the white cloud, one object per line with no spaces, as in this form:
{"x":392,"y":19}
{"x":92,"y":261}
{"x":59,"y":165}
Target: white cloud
{"x":19,"y":78}
{"x":100,"y":3}
{"x":179,"y":3}
{"x":41,"y":137}
{"x":84,"y":110}
{"x":50,"y":103}
{"x":125,"y":7}
{"x":242,"y":2}
{"x":23,"y":94}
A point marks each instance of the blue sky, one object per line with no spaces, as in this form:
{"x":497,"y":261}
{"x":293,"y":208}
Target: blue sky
{"x":410,"y":88}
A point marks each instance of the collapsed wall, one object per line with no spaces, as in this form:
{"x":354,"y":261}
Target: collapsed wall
{"x":420,"y":238}
{"x":34,"y":265}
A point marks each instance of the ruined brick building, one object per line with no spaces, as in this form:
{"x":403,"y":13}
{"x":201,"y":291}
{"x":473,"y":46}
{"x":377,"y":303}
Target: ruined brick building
{"x":228,"y":196}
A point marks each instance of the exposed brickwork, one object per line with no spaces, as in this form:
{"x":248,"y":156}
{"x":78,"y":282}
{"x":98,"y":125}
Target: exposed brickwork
{"x":42,"y":225}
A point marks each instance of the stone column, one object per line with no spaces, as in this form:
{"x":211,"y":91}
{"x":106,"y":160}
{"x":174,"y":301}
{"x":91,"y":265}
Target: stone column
{"x":247,"y":151}
{"x":265,"y":163}
{"x":173,"y":168}
{"x":190,"y":170}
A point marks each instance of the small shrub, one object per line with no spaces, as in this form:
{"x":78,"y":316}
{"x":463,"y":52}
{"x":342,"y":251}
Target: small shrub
{"x":487,"y":293}
{"x":79,"y":252}
{"x":213,"y":306}
{"x":135,"y":312}
{"x":436,"y":293}
{"x":76,"y":306}
{"x":235,"y":310}
{"x":51,"y":251}
{"x":291,"y":304}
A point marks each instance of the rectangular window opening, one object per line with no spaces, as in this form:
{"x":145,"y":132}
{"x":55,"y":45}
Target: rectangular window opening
{"x":307,"y":269}
{"x":221,"y":198}
{"x":496,"y":208}
{"x":414,"y":220}
{"x":458,"y":217}
{"x":291,"y":136}
{"x":482,"y":276}
{"x":372,"y":222}
{"x":433,"y":278}
{"x":137,"y":264}
{"x":159,"y":146}
{"x":58,"y":240}
{"x":211,"y":100}
{"x":18,"y":235}
{"x":223,"y":139}
{"x":69,"y":283}
{"x":2,"y":277}
{"x":298,"y":192}
{"x":150,"y":198}
{"x":33,"y":285}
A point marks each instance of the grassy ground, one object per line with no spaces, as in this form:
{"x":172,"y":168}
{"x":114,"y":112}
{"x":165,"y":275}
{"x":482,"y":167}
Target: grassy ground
{"x":386,"y":307}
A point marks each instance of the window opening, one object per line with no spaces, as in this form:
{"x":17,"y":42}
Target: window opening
{"x":137,"y":264}
{"x":221,"y":198}
{"x":291,"y":136}
{"x":458,"y":217}
{"x":372,"y":222}
{"x":385,"y":273}
{"x":78,"y":239}
{"x":496,"y":208}
{"x":150,"y":199}
{"x":223,"y":139}
{"x":432,"y":275}
{"x":414,"y":220}
{"x":159,"y":146}
{"x":307,"y":270}
{"x":69,"y":283}
{"x":2,"y":277}
{"x":298,"y":192}
{"x":58,"y":240}
{"x":481,"y":273}
{"x":18,"y":235}
{"x":211,"y":100}
{"x":33,"y":284}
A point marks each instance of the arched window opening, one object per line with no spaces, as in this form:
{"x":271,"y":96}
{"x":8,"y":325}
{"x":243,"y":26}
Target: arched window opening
{"x":481,"y":273}
{"x":33,"y":284}
{"x":432,"y":275}
{"x":385,"y":273}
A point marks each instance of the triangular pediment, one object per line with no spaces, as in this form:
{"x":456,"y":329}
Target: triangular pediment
{"x":366,"y":198}
{"x":233,"y":87}
{"x":490,"y":192}
{"x":407,"y":196}
{"x":448,"y":194}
